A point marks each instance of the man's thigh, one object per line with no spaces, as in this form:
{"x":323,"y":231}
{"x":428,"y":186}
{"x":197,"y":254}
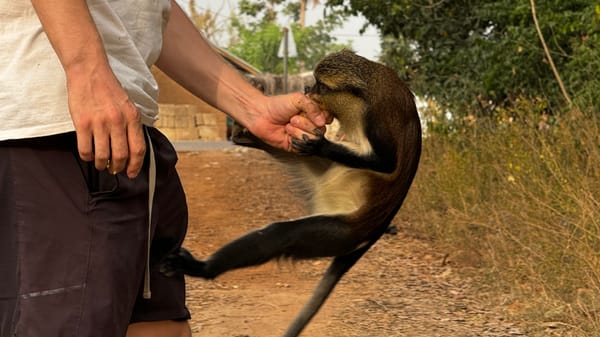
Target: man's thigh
{"x":75,"y":239}
{"x":169,"y":221}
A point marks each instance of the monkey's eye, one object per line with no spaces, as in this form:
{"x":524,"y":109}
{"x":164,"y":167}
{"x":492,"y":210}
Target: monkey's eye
{"x":321,"y":89}
{"x":355,"y":91}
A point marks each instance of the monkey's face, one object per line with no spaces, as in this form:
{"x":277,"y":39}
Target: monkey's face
{"x":343,"y":71}
{"x":320,"y":93}
{"x":341,"y":83}
{"x":343,"y":105}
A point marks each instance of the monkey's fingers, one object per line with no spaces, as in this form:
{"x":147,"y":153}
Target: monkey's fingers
{"x":307,"y":146}
{"x":301,"y":128}
{"x":168,"y":267}
{"x":303,"y":123}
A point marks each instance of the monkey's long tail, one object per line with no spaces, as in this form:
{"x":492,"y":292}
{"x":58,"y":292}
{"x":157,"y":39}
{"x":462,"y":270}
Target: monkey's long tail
{"x":339,"y":266}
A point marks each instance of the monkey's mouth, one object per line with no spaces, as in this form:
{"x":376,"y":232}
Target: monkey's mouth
{"x":315,"y":97}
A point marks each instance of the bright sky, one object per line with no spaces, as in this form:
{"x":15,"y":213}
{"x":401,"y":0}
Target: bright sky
{"x":367,"y":44}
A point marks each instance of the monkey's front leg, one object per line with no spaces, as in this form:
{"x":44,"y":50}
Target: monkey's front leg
{"x":337,"y":152}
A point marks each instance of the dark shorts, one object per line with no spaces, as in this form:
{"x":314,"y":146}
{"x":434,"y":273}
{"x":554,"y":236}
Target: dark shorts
{"x":73,"y":241}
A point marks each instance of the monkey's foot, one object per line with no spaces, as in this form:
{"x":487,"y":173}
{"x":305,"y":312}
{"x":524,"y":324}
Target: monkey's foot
{"x":183,"y":262}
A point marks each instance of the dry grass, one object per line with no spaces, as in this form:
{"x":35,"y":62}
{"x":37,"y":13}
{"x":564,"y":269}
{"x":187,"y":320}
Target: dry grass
{"x":520,"y":197}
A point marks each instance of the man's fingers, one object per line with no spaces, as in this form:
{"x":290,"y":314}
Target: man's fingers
{"x":301,"y":127}
{"x":119,"y":151}
{"x":85,"y":145}
{"x":101,"y":149}
{"x":304,"y":124}
{"x":311,"y":109}
{"x":115,"y":151}
{"x":137,"y":149}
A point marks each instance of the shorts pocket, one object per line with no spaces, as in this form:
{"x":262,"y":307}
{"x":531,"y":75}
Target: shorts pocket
{"x":99,"y":183}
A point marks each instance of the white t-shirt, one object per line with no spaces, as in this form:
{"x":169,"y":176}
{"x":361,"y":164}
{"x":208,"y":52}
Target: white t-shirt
{"x":33,"y":94}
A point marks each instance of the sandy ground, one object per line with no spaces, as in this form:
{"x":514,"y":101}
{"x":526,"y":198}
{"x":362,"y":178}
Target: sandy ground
{"x":401,"y":287}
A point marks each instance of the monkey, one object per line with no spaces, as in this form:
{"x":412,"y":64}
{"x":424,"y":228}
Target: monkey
{"x":354,"y":185}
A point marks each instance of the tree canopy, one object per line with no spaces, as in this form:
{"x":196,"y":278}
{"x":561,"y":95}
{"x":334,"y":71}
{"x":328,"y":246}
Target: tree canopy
{"x":475,"y":55}
{"x":257,"y":35}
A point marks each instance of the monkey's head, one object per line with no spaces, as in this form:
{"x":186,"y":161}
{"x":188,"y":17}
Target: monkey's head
{"x":341,"y":83}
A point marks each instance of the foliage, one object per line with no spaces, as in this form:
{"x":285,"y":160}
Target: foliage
{"x":476,"y":55}
{"x":205,"y":21}
{"x":258,"y":36}
{"x":517,"y":195}
{"x":509,"y":180}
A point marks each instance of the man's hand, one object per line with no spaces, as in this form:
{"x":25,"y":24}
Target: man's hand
{"x":291,"y":115}
{"x":220,"y":85}
{"x":107,"y":124}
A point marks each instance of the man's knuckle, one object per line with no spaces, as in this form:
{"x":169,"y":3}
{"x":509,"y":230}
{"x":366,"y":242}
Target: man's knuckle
{"x":138,"y":151}
{"x":119,"y":156}
{"x":86,"y":154}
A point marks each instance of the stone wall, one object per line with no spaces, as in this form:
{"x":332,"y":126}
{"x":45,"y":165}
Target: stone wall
{"x":191,"y":122}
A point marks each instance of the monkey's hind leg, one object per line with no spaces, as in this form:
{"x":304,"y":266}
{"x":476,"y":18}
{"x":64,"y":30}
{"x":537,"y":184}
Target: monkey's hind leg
{"x":334,"y":273}
{"x":182,"y":261}
{"x":316,"y":236}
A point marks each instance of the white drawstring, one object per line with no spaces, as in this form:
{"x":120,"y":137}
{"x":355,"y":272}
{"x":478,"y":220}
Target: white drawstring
{"x":151,"y":188}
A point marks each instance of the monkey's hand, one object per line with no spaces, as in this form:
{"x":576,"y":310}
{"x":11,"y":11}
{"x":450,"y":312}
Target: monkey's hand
{"x":344,"y":153}
{"x":183,"y":262}
{"x":309,"y":146}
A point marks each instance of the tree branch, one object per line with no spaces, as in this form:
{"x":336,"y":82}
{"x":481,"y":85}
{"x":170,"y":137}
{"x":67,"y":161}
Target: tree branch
{"x":548,"y":56}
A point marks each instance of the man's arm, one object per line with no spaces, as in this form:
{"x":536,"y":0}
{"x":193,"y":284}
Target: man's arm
{"x":106,"y":122}
{"x":188,"y":59}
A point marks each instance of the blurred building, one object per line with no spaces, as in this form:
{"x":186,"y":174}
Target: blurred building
{"x":182,"y":116}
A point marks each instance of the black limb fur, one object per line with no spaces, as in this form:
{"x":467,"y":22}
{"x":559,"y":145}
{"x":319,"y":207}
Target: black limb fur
{"x":316,"y":236}
{"x":339,"y":153}
{"x":334,"y":273}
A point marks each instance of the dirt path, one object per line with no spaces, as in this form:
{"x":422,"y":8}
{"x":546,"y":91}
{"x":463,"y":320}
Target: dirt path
{"x":401,"y":287}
